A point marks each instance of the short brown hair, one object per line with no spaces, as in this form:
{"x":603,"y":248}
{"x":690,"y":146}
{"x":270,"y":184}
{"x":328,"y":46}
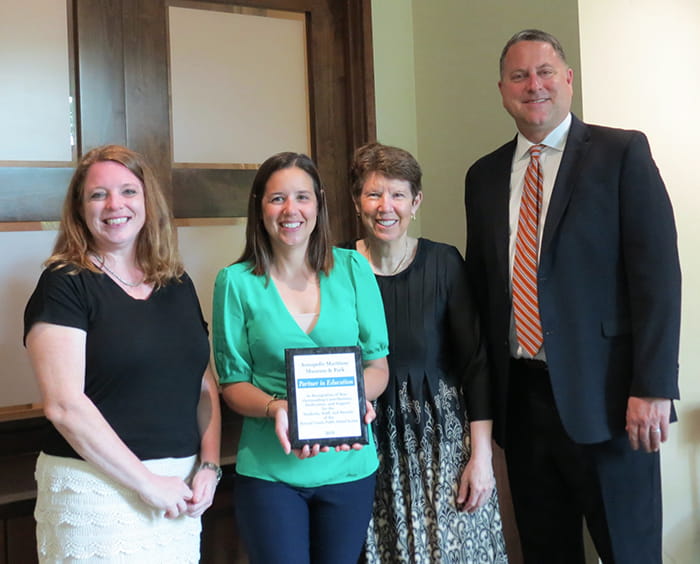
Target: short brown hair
{"x":258,"y":249}
{"x":156,"y":246}
{"x":531,"y":35}
{"x":389,"y":161}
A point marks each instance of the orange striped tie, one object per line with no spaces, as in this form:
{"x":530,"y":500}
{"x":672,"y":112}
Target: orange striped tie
{"x":525,"y":305}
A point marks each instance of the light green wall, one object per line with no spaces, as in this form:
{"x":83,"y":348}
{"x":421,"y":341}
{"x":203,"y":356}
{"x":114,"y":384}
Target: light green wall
{"x":450,"y":57}
{"x":395,"y":87}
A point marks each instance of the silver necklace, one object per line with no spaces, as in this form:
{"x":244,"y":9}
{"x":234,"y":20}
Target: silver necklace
{"x":102,"y":266}
{"x":399,"y":264}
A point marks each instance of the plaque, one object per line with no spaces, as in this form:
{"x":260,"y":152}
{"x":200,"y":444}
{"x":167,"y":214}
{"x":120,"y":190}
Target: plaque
{"x":326,"y":396}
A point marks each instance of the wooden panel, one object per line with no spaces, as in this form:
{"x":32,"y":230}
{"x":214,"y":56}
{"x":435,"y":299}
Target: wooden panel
{"x":221,"y":543}
{"x":146,"y":84}
{"x":3,"y":541}
{"x":510,"y":528}
{"x":22,"y":436}
{"x":123,"y":98}
{"x":361,"y":106}
{"x":330,"y":81}
{"x":211,"y":193}
{"x":101,"y":102}
{"x":21,"y":543}
{"x":361,"y":74}
{"x":32,"y":194}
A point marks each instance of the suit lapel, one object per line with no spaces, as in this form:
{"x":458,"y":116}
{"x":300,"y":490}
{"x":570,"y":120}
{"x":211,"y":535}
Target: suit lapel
{"x":576,"y":146}
{"x":501,"y":203}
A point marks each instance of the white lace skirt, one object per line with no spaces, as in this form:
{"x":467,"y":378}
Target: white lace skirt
{"x":84,"y":516}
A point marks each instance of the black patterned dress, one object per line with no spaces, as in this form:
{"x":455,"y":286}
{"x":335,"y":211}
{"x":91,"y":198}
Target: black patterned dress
{"x":438,"y":379}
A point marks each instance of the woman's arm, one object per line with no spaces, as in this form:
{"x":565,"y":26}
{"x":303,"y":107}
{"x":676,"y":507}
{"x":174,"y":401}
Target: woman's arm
{"x":246,"y":399}
{"x":477,"y":480}
{"x":376,"y":376}
{"x":209,"y":421}
{"x":250,"y":401}
{"x":376,"y":373}
{"x":57,"y":355}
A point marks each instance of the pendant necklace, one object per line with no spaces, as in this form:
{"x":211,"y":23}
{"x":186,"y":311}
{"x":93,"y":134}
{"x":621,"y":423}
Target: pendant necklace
{"x":102,"y":266}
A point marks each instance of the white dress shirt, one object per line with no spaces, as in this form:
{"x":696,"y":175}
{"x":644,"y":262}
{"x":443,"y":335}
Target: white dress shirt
{"x":550,"y":159}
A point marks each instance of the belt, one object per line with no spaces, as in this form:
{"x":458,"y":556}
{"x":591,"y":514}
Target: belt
{"x":530,"y":364}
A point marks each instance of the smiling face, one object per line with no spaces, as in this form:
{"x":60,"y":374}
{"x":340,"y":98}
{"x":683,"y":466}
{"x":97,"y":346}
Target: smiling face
{"x":289,"y":208}
{"x":536,"y":87}
{"x":113,"y":206}
{"x":386,"y":205}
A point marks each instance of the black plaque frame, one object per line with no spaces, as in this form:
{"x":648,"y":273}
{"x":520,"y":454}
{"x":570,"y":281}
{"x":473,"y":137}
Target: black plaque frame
{"x":293,"y":409}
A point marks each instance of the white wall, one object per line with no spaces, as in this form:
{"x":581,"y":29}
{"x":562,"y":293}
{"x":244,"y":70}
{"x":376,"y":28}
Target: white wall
{"x":204,"y":250}
{"x":20,"y":266}
{"x":638,"y":69}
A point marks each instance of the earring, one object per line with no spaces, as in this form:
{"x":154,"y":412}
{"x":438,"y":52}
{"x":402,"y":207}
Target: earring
{"x":413,"y":216}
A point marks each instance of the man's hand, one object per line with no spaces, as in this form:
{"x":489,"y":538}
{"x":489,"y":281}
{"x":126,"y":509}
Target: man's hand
{"x":647,"y":422}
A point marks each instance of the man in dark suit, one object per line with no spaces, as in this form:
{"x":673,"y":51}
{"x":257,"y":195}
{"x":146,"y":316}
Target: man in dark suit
{"x":581,"y":314}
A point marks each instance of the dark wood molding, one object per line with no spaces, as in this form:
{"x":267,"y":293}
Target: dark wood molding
{"x":120,"y":68}
{"x":147,"y":85}
{"x":101,"y":86}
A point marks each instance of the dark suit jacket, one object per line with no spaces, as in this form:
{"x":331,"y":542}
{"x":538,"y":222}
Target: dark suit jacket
{"x":609,"y":278}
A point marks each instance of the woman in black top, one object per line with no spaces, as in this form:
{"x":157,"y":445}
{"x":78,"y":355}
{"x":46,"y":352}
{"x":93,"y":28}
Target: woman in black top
{"x":435,"y":499}
{"x":119,"y":347}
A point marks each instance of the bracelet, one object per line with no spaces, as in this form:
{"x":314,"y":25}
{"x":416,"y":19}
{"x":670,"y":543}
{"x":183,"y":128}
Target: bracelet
{"x":211,"y":466}
{"x":275,"y":397}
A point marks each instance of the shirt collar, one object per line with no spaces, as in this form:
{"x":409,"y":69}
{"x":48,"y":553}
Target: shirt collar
{"x":555,"y":140}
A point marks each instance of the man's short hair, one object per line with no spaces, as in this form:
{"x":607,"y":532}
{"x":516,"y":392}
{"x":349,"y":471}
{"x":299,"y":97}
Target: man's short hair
{"x":532,"y":35}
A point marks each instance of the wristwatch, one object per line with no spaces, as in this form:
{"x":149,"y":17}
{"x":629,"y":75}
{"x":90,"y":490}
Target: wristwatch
{"x":211,"y":466}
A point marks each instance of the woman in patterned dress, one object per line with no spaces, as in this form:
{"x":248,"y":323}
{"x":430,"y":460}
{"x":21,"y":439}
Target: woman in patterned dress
{"x":435,"y":498}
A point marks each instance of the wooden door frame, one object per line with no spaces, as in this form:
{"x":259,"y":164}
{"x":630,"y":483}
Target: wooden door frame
{"x":120,"y":57}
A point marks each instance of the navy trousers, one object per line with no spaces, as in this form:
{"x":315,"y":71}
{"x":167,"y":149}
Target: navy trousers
{"x":282,"y":524}
{"x":555,"y":483}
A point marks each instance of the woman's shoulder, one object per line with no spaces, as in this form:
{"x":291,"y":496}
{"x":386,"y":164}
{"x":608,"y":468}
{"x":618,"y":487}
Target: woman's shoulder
{"x":66,"y":274}
{"x":349,"y":259}
{"x":346,"y":255}
{"x":183,"y":281}
{"x":239,"y":278}
{"x":235,"y":270}
{"x":444,"y":251}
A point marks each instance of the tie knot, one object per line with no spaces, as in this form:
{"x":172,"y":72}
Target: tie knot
{"x":536,"y":151}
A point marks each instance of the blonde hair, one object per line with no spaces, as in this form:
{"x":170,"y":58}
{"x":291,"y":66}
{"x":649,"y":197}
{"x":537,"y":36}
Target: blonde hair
{"x":156,"y":246}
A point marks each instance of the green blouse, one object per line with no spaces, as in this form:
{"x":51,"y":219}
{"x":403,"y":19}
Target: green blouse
{"x":250,"y":330}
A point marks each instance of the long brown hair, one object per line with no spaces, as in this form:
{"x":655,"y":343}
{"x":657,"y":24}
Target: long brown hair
{"x":258,"y":248}
{"x":156,"y":246}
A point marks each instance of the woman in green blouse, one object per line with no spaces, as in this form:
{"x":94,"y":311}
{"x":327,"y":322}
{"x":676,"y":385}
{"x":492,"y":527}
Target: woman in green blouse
{"x":291,"y":289}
